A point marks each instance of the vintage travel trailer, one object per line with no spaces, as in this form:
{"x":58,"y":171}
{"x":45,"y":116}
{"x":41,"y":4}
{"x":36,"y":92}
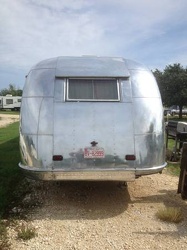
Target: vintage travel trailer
{"x":91,"y":118}
{"x":10,"y":102}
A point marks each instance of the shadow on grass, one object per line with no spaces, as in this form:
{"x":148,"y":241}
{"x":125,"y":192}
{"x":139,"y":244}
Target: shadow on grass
{"x":10,"y":174}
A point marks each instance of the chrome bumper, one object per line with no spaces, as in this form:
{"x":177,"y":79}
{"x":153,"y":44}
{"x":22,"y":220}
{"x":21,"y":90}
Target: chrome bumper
{"x":147,"y":171}
{"x":88,"y":175}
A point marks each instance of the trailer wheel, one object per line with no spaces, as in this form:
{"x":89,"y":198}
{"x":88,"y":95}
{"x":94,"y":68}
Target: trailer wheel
{"x":122,"y":185}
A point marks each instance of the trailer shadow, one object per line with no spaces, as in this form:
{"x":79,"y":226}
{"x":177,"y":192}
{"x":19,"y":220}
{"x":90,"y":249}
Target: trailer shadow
{"x":76,"y":200}
{"x":81,"y":200}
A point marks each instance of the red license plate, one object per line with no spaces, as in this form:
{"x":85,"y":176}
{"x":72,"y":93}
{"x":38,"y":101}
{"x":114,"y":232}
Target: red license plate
{"x":94,"y":152}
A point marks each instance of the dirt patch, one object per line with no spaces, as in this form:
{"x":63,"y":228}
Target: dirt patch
{"x":6,"y":119}
{"x":104,"y":215}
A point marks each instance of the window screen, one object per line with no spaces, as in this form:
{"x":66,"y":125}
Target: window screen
{"x":93,"y":89}
{"x":9,"y":101}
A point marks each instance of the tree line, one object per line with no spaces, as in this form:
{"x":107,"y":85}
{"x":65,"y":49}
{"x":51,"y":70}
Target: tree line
{"x":172,"y":82}
{"x":11,"y":90}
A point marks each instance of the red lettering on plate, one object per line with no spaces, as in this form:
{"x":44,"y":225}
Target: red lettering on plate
{"x":94,"y":153}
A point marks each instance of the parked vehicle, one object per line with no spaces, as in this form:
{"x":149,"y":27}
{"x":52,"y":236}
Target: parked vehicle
{"x":167,"y":111}
{"x":10,"y":102}
{"x":175,"y":110}
{"x":91,"y":118}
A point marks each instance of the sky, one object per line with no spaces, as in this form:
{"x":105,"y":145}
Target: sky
{"x":152,"y":32}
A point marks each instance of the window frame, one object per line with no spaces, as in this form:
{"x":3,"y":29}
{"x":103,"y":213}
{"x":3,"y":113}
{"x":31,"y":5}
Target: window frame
{"x":93,"y":100}
{"x":9,"y":101}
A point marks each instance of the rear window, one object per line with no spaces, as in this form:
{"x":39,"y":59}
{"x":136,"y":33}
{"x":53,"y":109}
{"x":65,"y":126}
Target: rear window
{"x":92,"y":90}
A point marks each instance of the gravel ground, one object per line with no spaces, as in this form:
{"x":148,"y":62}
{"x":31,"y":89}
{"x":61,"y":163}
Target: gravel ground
{"x":104,"y":215}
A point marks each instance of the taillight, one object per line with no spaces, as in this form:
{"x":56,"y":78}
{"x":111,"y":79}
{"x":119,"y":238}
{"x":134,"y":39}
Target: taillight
{"x":130,"y":157}
{"x":57,"y":157}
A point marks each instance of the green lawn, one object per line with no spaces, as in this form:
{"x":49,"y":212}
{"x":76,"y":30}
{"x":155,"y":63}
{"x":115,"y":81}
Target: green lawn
{"x":174,"y":168}
{"x":175,"y":118}
{"x":10,"y":174}
{"x":9,"y":112}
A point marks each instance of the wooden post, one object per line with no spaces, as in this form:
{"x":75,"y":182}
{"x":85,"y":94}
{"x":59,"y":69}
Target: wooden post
{"x":182,"y":186}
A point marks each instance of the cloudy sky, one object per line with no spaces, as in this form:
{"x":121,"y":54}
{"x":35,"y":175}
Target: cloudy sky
{"x":153,"y":32}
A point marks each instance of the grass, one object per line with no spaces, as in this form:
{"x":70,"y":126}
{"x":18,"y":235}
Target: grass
{"x":26,"y":233}
{"x":13,"y":185}
{"x":174,"y":168}
{"x":175,"y":118}
{"x":10,"y":174}
{"x":170,"y":214}
{"x":9,"y":112}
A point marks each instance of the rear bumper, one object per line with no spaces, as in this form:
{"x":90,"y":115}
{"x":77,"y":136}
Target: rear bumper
{"x":148,"y":171}
{"x":88,"y":175}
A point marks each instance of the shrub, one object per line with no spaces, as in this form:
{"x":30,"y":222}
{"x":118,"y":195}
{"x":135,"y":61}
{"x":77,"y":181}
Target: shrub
{"x":26,"y":233}
{"x":170,"y":214}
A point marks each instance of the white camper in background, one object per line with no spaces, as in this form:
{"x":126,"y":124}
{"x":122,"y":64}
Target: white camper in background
{"x":91,"y":118}
{"x":10,"y":102}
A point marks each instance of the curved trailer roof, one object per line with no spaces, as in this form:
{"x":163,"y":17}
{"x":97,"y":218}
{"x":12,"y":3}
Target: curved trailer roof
{"x":90,"y":66}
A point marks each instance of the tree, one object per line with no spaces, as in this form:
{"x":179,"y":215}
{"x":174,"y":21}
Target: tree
{"x":158,"y":75}
{"x":11,"y":90}
{"x":172,"y":83}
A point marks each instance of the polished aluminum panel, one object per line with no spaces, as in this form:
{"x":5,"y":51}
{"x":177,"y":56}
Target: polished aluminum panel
{"x":103,"y":124}
{"x":39,"y":83}
{"x":59,"y":92}
{"x":29,"y":148}
{"x":46,"y":117}
{"x":46,"y":64}
{"x":126,"y":90}
{"x":132,"y":65}
{"x":30,"y":111}
{"x":148,"y":115}
{"x":144,"y":84}
{"x":150,"y":150}
{"x":45,"y":150}
{"x":91,"y":66}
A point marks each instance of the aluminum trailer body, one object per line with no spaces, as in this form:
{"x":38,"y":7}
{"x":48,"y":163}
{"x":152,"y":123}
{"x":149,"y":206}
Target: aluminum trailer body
{"x":91,"y":118}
